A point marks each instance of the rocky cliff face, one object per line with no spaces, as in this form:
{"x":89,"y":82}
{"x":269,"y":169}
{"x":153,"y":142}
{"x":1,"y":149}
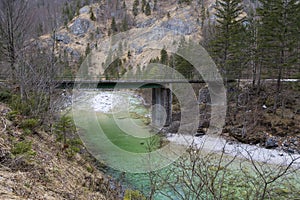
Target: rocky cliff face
{"x":84,"y":33}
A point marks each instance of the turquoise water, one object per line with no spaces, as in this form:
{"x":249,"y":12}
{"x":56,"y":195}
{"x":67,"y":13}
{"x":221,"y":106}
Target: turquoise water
{"x":198,"y":175}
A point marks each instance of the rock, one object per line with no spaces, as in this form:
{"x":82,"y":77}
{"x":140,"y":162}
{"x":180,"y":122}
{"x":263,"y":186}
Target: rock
{"x":84,"y":10}
{"x":242,"y":99}
{"x":289,"y":150}
{"x":236,"y":132}
{"x":204,"y":96}
{"x":80,"y":26}
{"x":176,"y":116}
{"x":75,"y":54}
{"x":174,"y":127}
{"x":199,"y":134}
{"x":62,"y":37}
{"x":271,"y":143}
{"x":179,"y":26}
{"x":146,"y":23}
{"x":204,"y":124}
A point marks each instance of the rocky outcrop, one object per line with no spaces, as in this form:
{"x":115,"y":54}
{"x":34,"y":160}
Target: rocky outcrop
{"x":63,"y":37}
{"x":80,"y":26}
{"x":179,"y":26}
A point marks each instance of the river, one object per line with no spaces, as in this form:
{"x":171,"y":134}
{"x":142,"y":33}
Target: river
{"x":114,"y":128}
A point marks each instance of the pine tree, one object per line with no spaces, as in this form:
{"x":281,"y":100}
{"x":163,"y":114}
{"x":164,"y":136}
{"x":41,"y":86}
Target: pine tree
{"x":87,"y":49}
{"x":124,"y":24}
{"x":182,"y":65}
{"x":148,"y":9}
{"x":135,"y":9}
{"x":143,"y":5}
{"x":164,"y":57}
{"x":92,"y":16}
{"x":278,"y":34}
{"x":113,"y":25}
{"x":225,"y":48}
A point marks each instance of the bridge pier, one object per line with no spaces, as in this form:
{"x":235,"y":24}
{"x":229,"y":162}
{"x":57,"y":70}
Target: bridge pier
{"x":161,"y":107}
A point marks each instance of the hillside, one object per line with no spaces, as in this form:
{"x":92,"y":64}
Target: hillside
{"x":84,"y":34}
{"x":34,"y":164}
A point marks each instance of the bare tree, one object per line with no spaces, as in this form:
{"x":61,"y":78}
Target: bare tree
{"x":202,"y":174}
{"x":14,"y":23}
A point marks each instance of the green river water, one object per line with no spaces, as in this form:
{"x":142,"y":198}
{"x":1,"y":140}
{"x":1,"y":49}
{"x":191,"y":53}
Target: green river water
{"x":102,"y":135}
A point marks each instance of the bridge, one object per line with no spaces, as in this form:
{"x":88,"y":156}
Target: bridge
{"x":106,"y":84}
{"x":161,"y":92}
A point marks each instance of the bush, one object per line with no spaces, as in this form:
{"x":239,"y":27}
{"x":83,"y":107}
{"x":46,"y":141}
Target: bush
{"x":12,"y":115}
{"x":134,"y":195}
{"x":73,"y":147}
{"x":23,"y":147}
{"x":5,"y":96}
{"x":29,"y":124}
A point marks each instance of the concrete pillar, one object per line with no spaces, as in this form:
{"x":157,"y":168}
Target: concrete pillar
{"x":161,"y":107}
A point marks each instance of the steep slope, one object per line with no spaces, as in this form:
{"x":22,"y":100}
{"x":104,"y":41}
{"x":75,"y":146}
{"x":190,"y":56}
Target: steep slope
{"x":34,"y":165}
{"x":85,"y":33}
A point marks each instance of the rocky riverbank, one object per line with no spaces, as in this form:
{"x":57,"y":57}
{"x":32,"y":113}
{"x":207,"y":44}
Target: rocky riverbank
{"x":251,"y":119}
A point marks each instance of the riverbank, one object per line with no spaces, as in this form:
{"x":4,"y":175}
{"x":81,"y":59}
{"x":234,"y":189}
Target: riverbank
{"x":216,"y":144}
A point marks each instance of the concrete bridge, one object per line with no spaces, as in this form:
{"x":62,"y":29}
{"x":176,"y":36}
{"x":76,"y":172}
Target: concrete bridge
{"x":161,"y":93}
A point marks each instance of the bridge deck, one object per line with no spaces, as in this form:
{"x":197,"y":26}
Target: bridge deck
{"x":119,"y":83}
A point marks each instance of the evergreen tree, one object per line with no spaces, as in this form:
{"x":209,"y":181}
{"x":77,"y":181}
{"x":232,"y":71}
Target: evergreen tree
{"x":182,"y":65}
{"x":148,"y":9}
{"x":143,"y":5}
{"x":113,"y":25}
{"x":92,"y":16}
{"x":135,"y":9}
{"x":226,"y":46}
{"x":87,"y":49}
{"x":164,"y":57}
{"x":124,"y":24}
{"x":278,"y":34}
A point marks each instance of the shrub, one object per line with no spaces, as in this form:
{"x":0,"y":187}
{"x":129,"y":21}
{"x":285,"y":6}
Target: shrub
{"x":12,"y":115}
{"x":23,"y":147}
{"x":29,"y":123}
{"x":134,"y":195}
{"x":5,"y":96}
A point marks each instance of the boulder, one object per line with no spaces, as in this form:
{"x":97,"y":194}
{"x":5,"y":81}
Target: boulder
{"x":80,"y":26}
{"x":173,"y":128}
{"x":271,"y":143}
{"x":84,"y":10}
{"x":75,"y":54}
{"x":62,"y":37}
